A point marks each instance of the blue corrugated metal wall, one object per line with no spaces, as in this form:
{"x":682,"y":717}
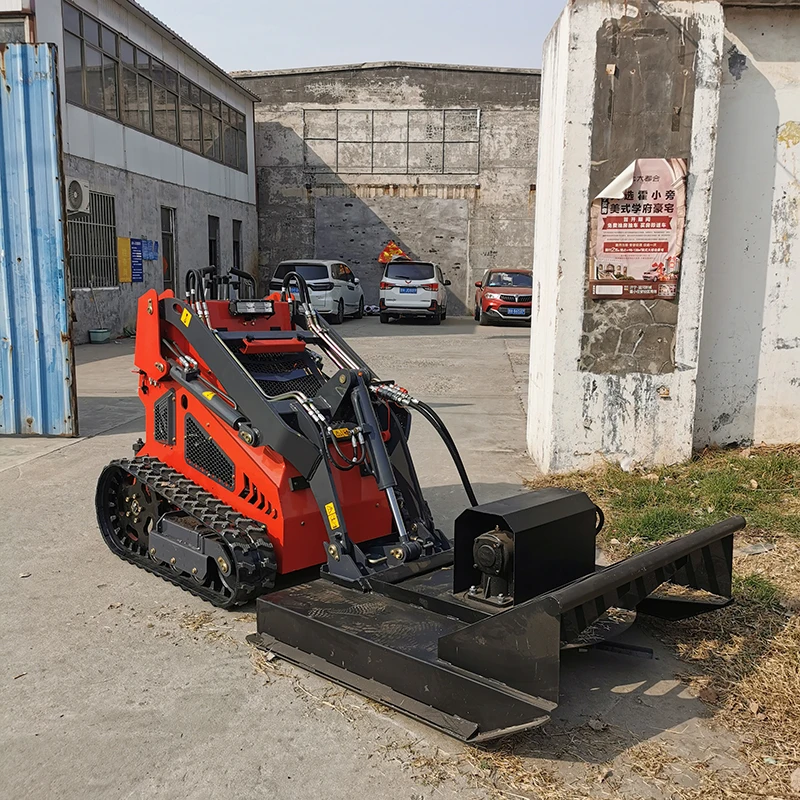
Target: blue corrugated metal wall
{"x":37,"y":381}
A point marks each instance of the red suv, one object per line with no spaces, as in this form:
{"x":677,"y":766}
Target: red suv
{"x":503,"y":294}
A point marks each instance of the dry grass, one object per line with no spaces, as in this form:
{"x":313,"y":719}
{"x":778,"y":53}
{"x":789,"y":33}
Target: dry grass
{"x":206,"y":623}
{"x":500,"y":772}
{"x":745,"y":658}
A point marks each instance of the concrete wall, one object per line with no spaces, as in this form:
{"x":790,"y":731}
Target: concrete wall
{"x":469,"y":221}
{"x":144,"y":173}
{"x":748,"y":386}
{"x":578,"y":415}
{"x":138,"y":201}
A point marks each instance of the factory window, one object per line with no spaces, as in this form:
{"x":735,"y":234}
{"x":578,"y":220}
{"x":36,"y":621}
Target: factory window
{"x":93,"y":244}
{"x":13,"y":29}
{"x":392,"y":141}
{"x":109,"y":75}
{"x":213,"y":241}
{"x":237,"y":244}
{"x":90,"y":63}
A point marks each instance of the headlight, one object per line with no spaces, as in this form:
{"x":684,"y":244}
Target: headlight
{"x":492,"y":296}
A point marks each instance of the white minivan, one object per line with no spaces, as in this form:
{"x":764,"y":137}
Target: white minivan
{"x":413,"y":289}
{"x":335,"y":290}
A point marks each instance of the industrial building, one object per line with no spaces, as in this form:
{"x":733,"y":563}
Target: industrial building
{"x":440,"y":159}
{"x":157,"y":145}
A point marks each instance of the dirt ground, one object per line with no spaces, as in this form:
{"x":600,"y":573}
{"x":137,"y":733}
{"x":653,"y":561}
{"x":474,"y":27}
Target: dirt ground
{"x":114,"y":684}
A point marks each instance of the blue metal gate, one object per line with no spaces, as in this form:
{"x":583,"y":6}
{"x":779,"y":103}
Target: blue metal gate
{"x":37,"y":367}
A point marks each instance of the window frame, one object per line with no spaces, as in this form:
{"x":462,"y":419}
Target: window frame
{"x":20,"y":19}
{"x":222,"y":129}
{"x":87,"y":231}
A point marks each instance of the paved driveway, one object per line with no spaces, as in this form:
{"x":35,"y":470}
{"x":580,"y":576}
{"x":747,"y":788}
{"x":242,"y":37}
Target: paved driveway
{"x":114,"y":684}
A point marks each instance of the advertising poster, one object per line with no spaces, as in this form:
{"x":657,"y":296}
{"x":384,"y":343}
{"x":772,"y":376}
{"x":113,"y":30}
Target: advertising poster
{"x":637,"y":232}
{"x":137,"y":262}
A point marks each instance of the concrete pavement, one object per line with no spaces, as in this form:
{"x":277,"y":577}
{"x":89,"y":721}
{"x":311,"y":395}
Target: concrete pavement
{"x":114,"y":684}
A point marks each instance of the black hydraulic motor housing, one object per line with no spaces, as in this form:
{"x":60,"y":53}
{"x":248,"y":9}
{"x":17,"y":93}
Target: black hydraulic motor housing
{"x":514,"y":549}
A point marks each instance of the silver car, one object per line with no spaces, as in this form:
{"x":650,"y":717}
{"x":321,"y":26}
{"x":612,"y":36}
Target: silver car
{"x":335,"y":290}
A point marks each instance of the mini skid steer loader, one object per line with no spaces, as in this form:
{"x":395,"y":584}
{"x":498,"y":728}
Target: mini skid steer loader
{"x":271,"y":448}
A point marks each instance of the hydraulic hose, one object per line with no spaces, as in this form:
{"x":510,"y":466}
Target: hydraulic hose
{"x":440,"y":428}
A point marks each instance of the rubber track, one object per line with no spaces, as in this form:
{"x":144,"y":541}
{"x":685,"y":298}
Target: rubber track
{"x":244,"y":540}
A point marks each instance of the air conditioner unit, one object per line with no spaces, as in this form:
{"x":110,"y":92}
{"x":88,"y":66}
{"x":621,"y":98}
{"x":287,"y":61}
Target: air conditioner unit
{"x":77,"y":196}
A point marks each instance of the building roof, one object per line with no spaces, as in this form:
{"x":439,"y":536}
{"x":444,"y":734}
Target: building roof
{"x":762,"y":3}
{"x":369,"y":65}
{"x":143,"y":14}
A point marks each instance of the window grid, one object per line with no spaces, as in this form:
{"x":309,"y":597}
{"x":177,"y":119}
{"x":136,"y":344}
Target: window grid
{"x":108,"y":74}
{"x":443,"y":142}
{"x":93,"y":245}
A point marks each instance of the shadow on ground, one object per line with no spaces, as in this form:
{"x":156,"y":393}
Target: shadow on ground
{"x":90,"y":353}
{"x":110,"y":415}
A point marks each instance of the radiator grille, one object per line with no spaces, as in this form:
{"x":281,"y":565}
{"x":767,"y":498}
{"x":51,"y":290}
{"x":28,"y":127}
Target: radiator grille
{"x":164,"y":418}
{"x":203,"y":453}
{"x":516,"y":298}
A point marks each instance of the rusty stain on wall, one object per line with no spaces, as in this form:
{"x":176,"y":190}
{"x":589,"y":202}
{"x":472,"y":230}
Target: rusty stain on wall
{"x":789,"y":133}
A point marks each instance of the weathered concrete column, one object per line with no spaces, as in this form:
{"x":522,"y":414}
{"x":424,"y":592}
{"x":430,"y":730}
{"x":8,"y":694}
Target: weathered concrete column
{"x":615,"y":378}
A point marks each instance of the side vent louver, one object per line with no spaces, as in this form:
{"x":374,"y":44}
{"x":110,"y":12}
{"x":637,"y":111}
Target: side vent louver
{"x":164,"y":418}
{"x":204,"y":454}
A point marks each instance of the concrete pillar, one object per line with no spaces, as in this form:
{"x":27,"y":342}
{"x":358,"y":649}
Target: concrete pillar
{"x":615,"y":379}
{"x":748,"y":389}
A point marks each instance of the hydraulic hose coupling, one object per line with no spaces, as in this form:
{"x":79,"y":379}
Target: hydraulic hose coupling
{"x":396,"y":394}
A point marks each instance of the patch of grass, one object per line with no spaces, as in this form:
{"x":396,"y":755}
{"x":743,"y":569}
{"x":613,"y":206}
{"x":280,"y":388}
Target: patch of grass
{"x":648,"y":506}
{"x":756,"y":589}
{"x":654,"y":524}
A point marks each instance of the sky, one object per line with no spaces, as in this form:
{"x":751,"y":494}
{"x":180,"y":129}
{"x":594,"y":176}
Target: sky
{"x":265,"y":34}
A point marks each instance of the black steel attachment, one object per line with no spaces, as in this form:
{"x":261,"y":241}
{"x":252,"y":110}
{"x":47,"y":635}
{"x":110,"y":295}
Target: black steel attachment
{"x":470,"y":642}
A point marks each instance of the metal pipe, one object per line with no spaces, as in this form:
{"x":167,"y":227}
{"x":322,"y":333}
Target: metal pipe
{"x":630,"y":569}
{"x":398,"y":517}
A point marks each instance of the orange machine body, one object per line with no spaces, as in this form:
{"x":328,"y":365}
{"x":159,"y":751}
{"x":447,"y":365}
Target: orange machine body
{"x":261,"y":478}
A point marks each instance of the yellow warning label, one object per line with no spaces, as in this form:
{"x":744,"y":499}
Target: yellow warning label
{"x":209,"y":395}
{"x":341,"y":433}
{"x":333,"y":520}
{"x":186,"y":317}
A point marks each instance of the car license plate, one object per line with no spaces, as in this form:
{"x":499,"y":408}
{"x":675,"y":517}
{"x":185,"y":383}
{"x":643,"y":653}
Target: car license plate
{"x":294,"y":290}
{"x":517,"y":311}
{"x":408,"y":290}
